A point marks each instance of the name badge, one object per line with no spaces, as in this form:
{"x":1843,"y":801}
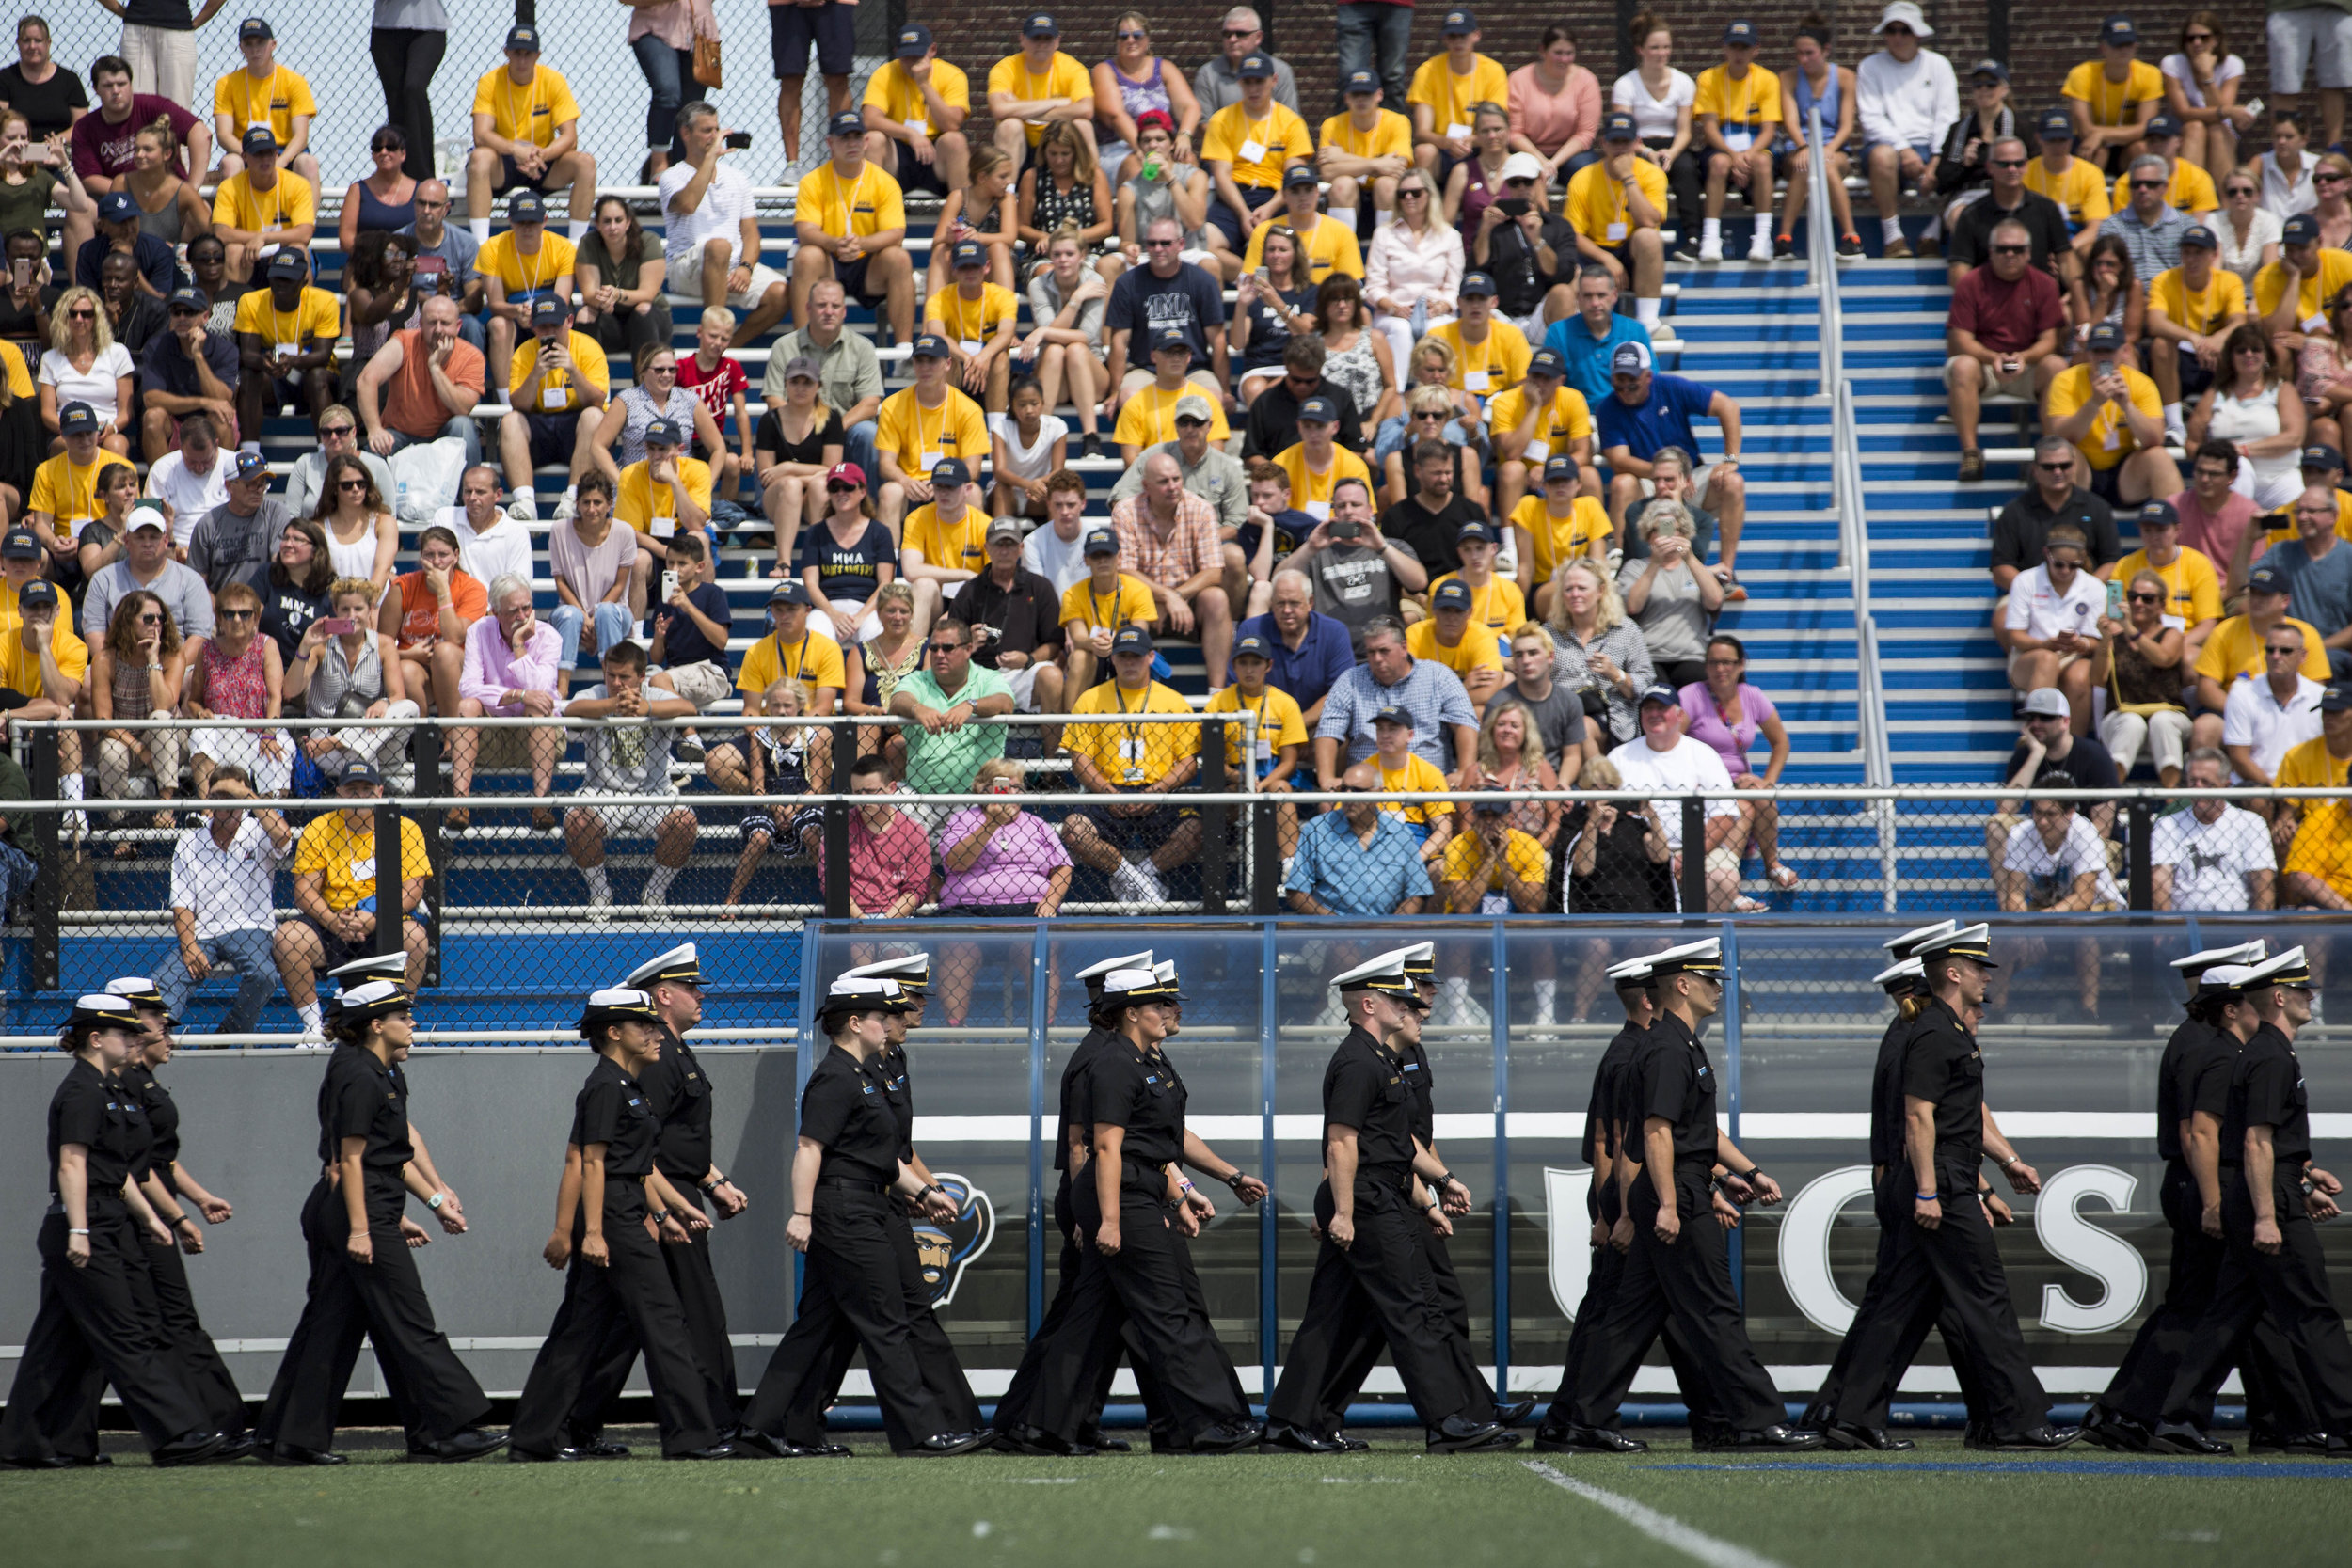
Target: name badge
{"x":971,"y":346}
{"x":75,"y":525}
{"x":1265,"y":750}
{"x":2111,"y":438}
{"x":928,"y":461}
{"x":1475,"y":381}
{"x":1538,"y":450}
{"x":918,"y":127}
{"x":555,"y":399}
{"x":363,"y":869}
{"x":662,"y":527}
{"x":1457,"y":132}
{"x":287,"y":351}
{"x":1616,"y":232}
{"x":2314,"y":324}
{"x":1253,"y":151}
{"x":1738,"y":137}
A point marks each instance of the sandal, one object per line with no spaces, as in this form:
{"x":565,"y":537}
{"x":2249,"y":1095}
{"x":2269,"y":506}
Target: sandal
{"x":457,"y":819}
{"x":1780,"y":875}
{"x":1745,"y":905}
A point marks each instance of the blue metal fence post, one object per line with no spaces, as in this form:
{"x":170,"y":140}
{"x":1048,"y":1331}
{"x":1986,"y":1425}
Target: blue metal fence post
{"x":1499,"y":1008}
{"x":1731,"y":1079}
{"x":1269,"y":1229}
{"x":1040,"y":954}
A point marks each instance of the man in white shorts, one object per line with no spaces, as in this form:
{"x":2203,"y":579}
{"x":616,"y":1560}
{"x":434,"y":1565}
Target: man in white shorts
{"x":625,"y":758}
{"x":2212,"y":854}
{"x":2318,"y":37}
{"x":711,"y":232}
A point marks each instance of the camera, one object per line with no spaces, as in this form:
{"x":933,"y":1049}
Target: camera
{"x":739,"y":139}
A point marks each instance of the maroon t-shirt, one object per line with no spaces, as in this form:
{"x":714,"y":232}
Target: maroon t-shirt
{"x":103,"y":149}
{"x":2007,"y":317}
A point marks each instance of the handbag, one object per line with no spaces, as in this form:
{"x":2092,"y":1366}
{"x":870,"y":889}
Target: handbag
{"x":708,"y":71}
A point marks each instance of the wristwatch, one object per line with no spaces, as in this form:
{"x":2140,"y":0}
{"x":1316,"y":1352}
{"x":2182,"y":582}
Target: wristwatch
{"x":435,"y":1201}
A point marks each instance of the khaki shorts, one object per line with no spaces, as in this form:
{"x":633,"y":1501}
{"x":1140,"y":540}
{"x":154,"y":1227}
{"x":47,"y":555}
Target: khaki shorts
{"x":2064,"y":660}
{"x":685,"y":276}
{"x":701,"y":683}
{"x":1990,"y":382}
{"x":642,"y":820}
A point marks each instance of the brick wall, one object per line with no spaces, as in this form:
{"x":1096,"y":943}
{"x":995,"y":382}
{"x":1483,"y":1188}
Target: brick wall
{"x":2043,"y":45}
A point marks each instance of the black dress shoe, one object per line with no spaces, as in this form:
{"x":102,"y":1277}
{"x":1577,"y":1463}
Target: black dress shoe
{"x":1463,"y":1435}
{"x":533,"y":1456}
{"x":2308,"y":1445}
{"x":1850,"y":1436}
{"x":2117,"y":1433}
{"x":60,"y":1462}
{"x":472,"y":1443}
{"x":1229,"y":1437}
{"x":193,"y":1448}
{"x":1353,"y":1445}
{"x":1780,"y":1435}
{"x":1706,"y":1437}
{"x":600,"y":1447}
{"x":1103,"y":1442}
{"x":2170,"y":1438}
{"x":2041,"y":1440}
{"x":288,"y":1455}
{"x":1978,"y":1436}
{"x":1576,"y":1439}
{"x":716,"y":1450}
{"x":1512,"y":1414}
{"x":1283,"y":1436}
{"x":1039,"y":1444}
{"x":236,"y":1448}
{"x":751,"y":1443}
{"x":946,"y":1445}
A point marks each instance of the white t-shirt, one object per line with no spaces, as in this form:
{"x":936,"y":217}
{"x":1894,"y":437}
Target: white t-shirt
{"x":1061,"y":564}
{"x":1654,"y":116}
{"x":227,"y":890}
{"x":2051,"y":876}
{"x":1033,"y":461}
{"x":2210,"y":860}
{"x":2039,"y":610}
{"x":2253,"y":718}
{"x":189,"y":496}
{"x":726,"y":203}
{"x":2176,"y":67}
{"x":1692,"y":764}
{"x":505,"y":548}
{"x":96,"y":386}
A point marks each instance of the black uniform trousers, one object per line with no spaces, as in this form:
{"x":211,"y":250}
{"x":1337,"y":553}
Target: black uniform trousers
{"x":1929,"y":1312}
{"x":1149,"y":1286}
{"x":631,"y":1295}
{"x":91,"y":1329}
{"x":1955,"y":1266}
{"x":1605,"y":1274}
{"x":384,"y":1302}
{"x":2290,"y":1285}
{"x":206,"y":1374}
{"x":1382,"y":1285}
{"x":1354,"y":1362}
{"x":934,"y":1353}
{"x":853,"y":1272}
{"x":1013,"y":1407}
{"x":696,"y":1283}
{"x":2276,"y":1399}
{"x":1689,"y":1283}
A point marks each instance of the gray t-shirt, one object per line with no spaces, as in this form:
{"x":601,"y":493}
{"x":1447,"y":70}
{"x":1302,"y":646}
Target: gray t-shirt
{"x":183,"y":592}
{"x":1672,"y":622}
{"x":1353,"y":584}
{"x":227,"y":548}
{"x":1046,"y":300}
{"x":624,"y":758}
{"x":1559,"y":718}
{"x":455,"y":255}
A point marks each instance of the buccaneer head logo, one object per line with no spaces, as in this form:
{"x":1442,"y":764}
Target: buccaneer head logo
{"x":946,"y":1250}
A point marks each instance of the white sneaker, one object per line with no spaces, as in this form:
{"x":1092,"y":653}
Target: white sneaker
{"x":1761,"y":249}
{"x":1663,"y":331}
{"x":599,"y":907}
{"x":2175,"y":435}
{"x":522,"y":512}
{"x":567,"y":508}
{"x":1130,"y":885}
{"x":1154,"y":890}
{"x":1712,"y":251}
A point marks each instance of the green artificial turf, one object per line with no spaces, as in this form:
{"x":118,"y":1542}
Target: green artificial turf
{"x":1938,"y":1506}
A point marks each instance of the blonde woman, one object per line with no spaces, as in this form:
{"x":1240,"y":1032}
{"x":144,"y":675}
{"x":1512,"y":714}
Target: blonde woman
{"x":136,"y":673}
{"x":982,"y":210}
{"x":1511,"y":754}
{"x":780,"y":765}
{"x":2138,"y":661}
{"x":1063,"y":184}
{"x":1414,"y":270}
{"x":84,"y":364}
{"x":886,"y":656}
{"x":1430,"y":364}
{"x":352,"y":675}
{"x":1600,"y":650}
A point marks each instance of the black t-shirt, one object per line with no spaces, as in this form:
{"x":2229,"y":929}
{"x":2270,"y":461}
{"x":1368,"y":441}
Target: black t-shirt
{"x":1520,"y":280}
{"x":1364,"y":1088}
{"x":363,"y":1097}
{"x":99,"y":1113}
{"x":1139,"y":1091}
{"x":1971,"y":241}
{"x":821,"y":434}
{"x":1290,"y":526}
{"x":49,"y":105}
{"x":286,"y":613}
{"x":890,"y":1070}
{"x":1889,"y":1118}
{"x":2191,"y":1049}
{"x":611,"y":1109}
{"x":163,"y":1117}
{"x":1270,"y":330}
{"x":1142,"y":303}
{"x":1073,"y":1094}
{"x":1600,"y":1108}
{"x":845,"y":571}
{"x":19,"y":324}
{"x":1942,"y":1065}
{"x":2267,"y":1090}
{"x":1624,"y":880}
{"x":2025,"y":523}
{"x":1432,"y":536}
{"x":146,"y":318}
{"x":684,"y":642}
{"x":846,"y":1109}
{"x":1674,"y":1079}
{"x":1027,"y":616}
{"x":2090,"y":763}
{"x":675,"y":1086}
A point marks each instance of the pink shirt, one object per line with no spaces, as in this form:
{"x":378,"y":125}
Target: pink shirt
{"x":492,"y":669}
{"x":2217,"y":535}
{"x":1188,"y":550}
{"x":1551,"y":120}
{"x":885,"y":866}
{"x":1728,"y":742}
{"x":1015,"y":865}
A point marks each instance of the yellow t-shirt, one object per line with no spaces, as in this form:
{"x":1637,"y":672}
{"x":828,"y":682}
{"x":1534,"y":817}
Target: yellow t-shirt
{"x":19,"y":666}
{"x":1149,"y":418}
{"x":960,"y":545}
{"x":1467,"y":859}
{"x":1086,"y":607}
{"x":1479,"y":649}
{"x":557,"y":393}
{"x":67,"y":493}
{"x":1310,"y":492}
{"x":346,"y":859}
{"x":866,"y":206}
{"x":2112,"y":102}
{"x":1064,"y":78}
{"x":2079,"y":190}
{"x":1131,"y":753}
{"x":529,"y":111}
{"x":1419,"y":773}
{"x":527,"y":277}
{"x":286,"y":204}
{"x":2108,"y":440}
{"x":2323,"y":841}
{"x":2196,"y":587}
{"x":894,"y":91}
{"x":2190,"y":190}
{"x":1748,"y":108}
{"x":1391,"y":137}
{"x":1280,"y":723}
{"x":1500,"y":605}
{"x":1489,"y":367}
{"x":919,"y":437}
{"x":1448,"y":97}
{"x":1556,"y":541}
{"x":2234,"y":650}
{"x":1278,"y":140}
{"x":651,"y":508}
{"x":2223,"y":296}
{"x":1595,"y":206}
{"x":1331,"y":246}
{"x":315,"y":315}
{"x":1569,"y":420}
{"x":813,"y":660}
{"x":971,"y":323}
{"x":274,"y":101}
{"x":2270,"y":285}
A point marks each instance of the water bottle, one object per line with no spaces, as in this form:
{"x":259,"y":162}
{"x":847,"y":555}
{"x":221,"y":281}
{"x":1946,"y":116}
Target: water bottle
{"x":400,"y":503}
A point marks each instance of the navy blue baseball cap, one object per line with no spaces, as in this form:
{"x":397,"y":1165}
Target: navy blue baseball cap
{"x":1131,"y":640}
{"x":1991,"y":71}
{"x":2166,"y":123}
{"x":1618,"y":125}
{"x":1452,"y":594}
{"x":548,"y":310}
{"x":1318,"y":410}
{"x":1171,"y":336}
{"x":2106,"y":335}
{"x":1459,"y":22}
{"x":2336,"y":697}
{"x":2202,"y":237}
{"x":1546,"y":361}
{"x":1476,"y":284}
{"x":849,"y":122}
{"x":2267,"y":579}
{"x":2159,"y":514}
{"x":950,"y":473}
{"x":290,"y":263}
{"x":915,"y":42}
{"x":1740,"y":34}
{"x":522,"y":40}
{"x":1360,"y":81}
{"x":1100,"y":541}
{"x":190,"y":297}
{"x":1301,"y":174}
{"x":1393,"y":715}
{"x":1040,"y":26}
{"x":1253,"y":67}
{"x":259,"y":138}
{"x":526,"y":207}
{"x":117,"y":207}
{"x":2119,"y":31}
{"x":928,"y":346}
{"x":19,"y":544}
{"x":78,"y":419}
{"x":790,"y":591}
{"x":1560,"y":468}
{"x":1253,"y":646}
{"x":2056,"y":125}
{"x":2318,"y":455}
{"x":968,"y":253}
{"x":1475,"y":531}
{"x":667,"y":431}
{"x":2300,"y":229}
{"x":254,"y":28}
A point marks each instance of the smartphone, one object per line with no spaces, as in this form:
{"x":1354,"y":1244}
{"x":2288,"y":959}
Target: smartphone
{"x":1347,"y":531}
{"x":1263,"y":275}
{"x":2115,"y":600}
{"x":669,"y":584}
{"x":339,"y":626}
{"x":21,"y":272}
{"x":739,"y":139}
{"x":1513,"y":206}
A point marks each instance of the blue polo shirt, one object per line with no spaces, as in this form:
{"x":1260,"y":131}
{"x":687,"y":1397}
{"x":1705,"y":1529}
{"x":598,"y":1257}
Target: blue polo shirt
{"x":1324,"y":656}
{"x":1664,"y":420}
{"x":1588,"y":357}
{"x":1350,"y":878}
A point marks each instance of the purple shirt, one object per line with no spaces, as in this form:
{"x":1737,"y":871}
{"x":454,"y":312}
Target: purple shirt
{"x":1015,"y":865}
{"x":492,"y":669}
{"x":1707,"y":726}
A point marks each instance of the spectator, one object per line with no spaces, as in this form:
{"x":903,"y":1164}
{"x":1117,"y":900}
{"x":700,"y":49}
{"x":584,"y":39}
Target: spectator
{"x":262,"y":207}
{"x":2059,"y":867}
{"x":1664,"y":761}
{"x":1555,"y":108}
{"x":620,"y":440}
{"x":51,"y":99}
{"x":1163,"y":188}
{"x":146,"y":564}
{"x":138,"y":666}
{"x":2250,"y":408}
{"x":1366,"y":150}
{"x":1816,"y":80}
{"x":621,"y":272}
{"x":945,"y":541}
{"x":1217,"y":84}
{"x":1148,"y":417}
{"x":686,"y":647}
{"x":1167,"y":540}
{"x":778,"y":768}
{"x":1266,"y":315}
{"x":2317,"y":566}
{"x":2111,"y":292}
{"x":1137,"y":760}
{"x":1724,"y":712}
{"x":1015,"y":616}
{"x":2250,"y":235}
{"x":1094,"y":610}
{"x":2196,"y":306}
{"x":490,"y":541}
{"x":1599,"y":653}
{"x":100,"y":542}
{"x":847,"y":560}
{"x":1000,"y":861}
{"x":1511,"y":755}
{"x":855,"y":235}
{"x":286,"y":336}
{"x":2238,"y":648}
{"x":1067,"y":301}
{"x":1907,"y":99}
{"x":1414,"y":270}
{"x":2318,"y":863}
{"x":1028,"y":445}
{"x":362,"y":537}
{"x":423,"y":384}
{"x":1446,"y":93}
{"x":525,"y":139}
{"x":1444,"y":725}
{"x":427,"y":615}
{"x":2139,"y":662}
{"x":1359,"y":860}
{"x":848,"y":373}
{"x":186,"y":371}
{"x":1646,"y":413}
{"x":2009,"y":200}
{"x":1272,"y":425}
{"x":1281,"y":734}
{"x":556,"y":377}
{"x":1535,"y":421}
{"x":2150,"y":229}
{"x":1209,"y":472}
{"x":2052,"y":499}
{"x":2113,"y":96}
{"x":1489,"y":355}
{"x":1056,"y":552}
{"x":1164,"y":294}
{"x":1569,"y":739}
{"x":385,"y":200}
{"x":2114,"y":415}
{"x":42,"y":661}
{"x":788,"y":651}
{"x":2334,"y":207}
{"x":1738,"y":110}
{"x":1036,"y":87}
{"x":917,"y":101}
{"x":1671,"y":601}
{"x":1451,"y":637}
{"x":711,"y":232}
{"x":2322,"y":373}
{"x":2210,"y":855}
{"x":1308,"y":652}
{"x":517,"y":268}
{"x":1614,"y":206}
{"x":293,"y":593}
{"x":87,"y":369}
{"x":666,"y":493}
{"x":922,"y":426}
{"x":1431,"y":822}
{"x":122,"y":233}
{"x":1361,"y":574}
{"x":2202,"y":81}
{"x":267,"y":94}
{"x":237,"y":540}
{"x":510,"y":673}
{"x":2004,"y":333}
{"x":799,"y":443}
{"x":1493,"y":868}
{"x":594,"y":565}
{"x":135,"y":317}
{"x":2266,"y":716}
{"x":105,"y":143}
{"x":355,"y":673}
{"x":335,"y":891}
{"x":2187,"y":188}
{"x":2049,"y":627}
{"x":445,"y":258}
{"x":877,"y":664}
{"x":1062,"y":185}
{"x":2192,"y":587}
{"x":1318,"y":465}
{"x":1496,"y":603}
{"x":190,"y":480}
{"x":237,"y":674}
{"x":946,"y":744}
{"x":1429,"y":369}
{"x":1659,"y":98}
{"x":1618,"y":861}
{"x":2216,"y":521}
{"x":222,"y":909}
{"x":626,"y":750}
{"x":1245,"y":147}
{"x":2048,"y":746}
{"x":339,"y":437}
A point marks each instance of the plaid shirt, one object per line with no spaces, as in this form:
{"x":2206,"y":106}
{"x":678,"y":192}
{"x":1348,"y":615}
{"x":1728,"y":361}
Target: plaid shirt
{"x":1189,"y":550}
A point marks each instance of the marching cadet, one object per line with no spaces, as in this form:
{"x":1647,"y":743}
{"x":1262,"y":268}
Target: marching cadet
{"x":847,"y":1173}
{"x":1947,"y":1245}
{"x":1672,"y":1268}
{"x":2192,"y":1094}
{"x":363,"y":1283}
{"x":1135,"y":1206}
{"x":91,"y":1328}
{"x":1370,"y":1264}
{"x":610,"y":1191}
{"x":2270,"y":1194}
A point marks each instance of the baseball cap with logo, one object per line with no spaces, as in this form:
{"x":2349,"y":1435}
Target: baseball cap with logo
{"x":968,"y":253}
{"x":1101,"y":540}
{"x":2267,"y":579}
{"x":2118,"y":31}
{"x":2056,"y":125}
{"x":928,"y":346}
{"x":849,"y":122}
{"x":2045,"y":702}
{"x":1004,"y":528}
{"x":1253,"y":646}
{"x":949,"y":473}
{"x":1991,"y":70}
{"x":2336,"y":697}
{"x":1477,"y":531}
{"x":1452,"y":594}
{"x":2108,"y":335}
{"x":2301,"y":228}
{"x":2197,"y":235}
{"x":526,"y":207}
{"x":1392,"y":714}
{"x":2159,"y":514}
{"x":915,"y":42}
{"x":1664,"y":695}
{"x":40,"y":594}
{"x":1459,"y":22}
{"x":1301,"y":175}
{"x":1192,"y":406}
{"x":2320,"y":456}
{"x":1131,"y":640}
{"x":254,"y":28}
{"x":293,"y":265}
{"x":259,"y":138}
{"x":1740,"y":34}
{"x":190,"y":297}
{"x":1171,"y":336}
{"x":249,"y":464}
{"x":1042,"y":25}
{"x":1560,"y":468}
{"x":1629,"y":359}
{"x":667,"y":432}
{"x":1318,"y":410}
{"x":1476,"y":285}
{"x":1253,"y":67}
{"x":2165,"y":124}
{"x":18,"y":543}
{"x":1618,"y":125}
{"x":790,"y":591}
{"x":522,"y":40}
{"x":1360,"y":81}
{"x":78,"y":419}
{"x":117,"y":207}
{"x":1547,"y":362}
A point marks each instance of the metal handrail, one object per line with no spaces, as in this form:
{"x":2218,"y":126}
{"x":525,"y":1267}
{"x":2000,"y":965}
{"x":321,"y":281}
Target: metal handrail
{"x":1821,"y":250}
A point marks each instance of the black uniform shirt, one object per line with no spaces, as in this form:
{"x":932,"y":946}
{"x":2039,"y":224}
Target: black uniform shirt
{"x":1365,"y":1087}
{"x":1675,"y":1080}
{"x":362,"y":1097}
{"x":891,"y":1071}
{"x":1888,"y":1116}
{"x":1139,"y":1091}
{"x":844,"y":1109}
{"x":1942,"y":1064}
{"x":1602,"y":1110}
{"x":675,"y":1086}
{"x":2205,"y":1086}
{"x":106,"y":1119}
{"x":163,"y":1117}
{"x":2268,"y":1091}
{"x":2193,"y":1046}
{"x":611,"y":1109}
{"x":1073,"y":1077}
{"x":1414,"y":1063}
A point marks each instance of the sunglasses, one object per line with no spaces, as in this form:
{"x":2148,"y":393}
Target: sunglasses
{"x":2145,"y":598}
{"x":2056,"y":468}
{"x":2284,"y":652}
{"x":1133,"y":34}
{"x":2060,"y":564}
{"x":80,"y":315}
{"x":332,"y":431}
{"x":1241,"y":32}
{"x":2327,"y":179}
{"x":2242,"y":190}
{"x":1186,"y":422}
{"x":385,"y":147}
{"x":2012,"y":251}
{"x":224,"y":614}
{"x":2196,"y":38}
{"x":662,"y":370}
{"x":1412,"y":191}
{"x":2009,"y":163}
{"x":840,"y":489}
{"x":1159,"y":245}
{"x":2148,"y":185}
{"x":351,"y":484}
{"x":151,"y":619}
